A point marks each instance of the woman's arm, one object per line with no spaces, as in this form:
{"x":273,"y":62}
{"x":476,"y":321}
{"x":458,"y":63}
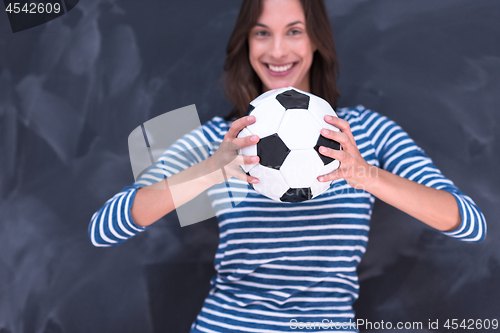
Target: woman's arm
{"x":135,"y":208}
{"x":429,"y":196}
{"x":434,"y":207}
{"x":155,"y":201}
{"x":182,"y":173}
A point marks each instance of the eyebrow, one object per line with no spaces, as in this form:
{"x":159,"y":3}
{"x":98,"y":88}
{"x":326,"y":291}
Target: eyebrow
{"x":288,"y":25}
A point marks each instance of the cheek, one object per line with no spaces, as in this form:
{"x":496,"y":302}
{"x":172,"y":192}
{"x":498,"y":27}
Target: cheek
{"x":254,"y":52}
{"x":308,"y":55}
{"x":254,"y":62}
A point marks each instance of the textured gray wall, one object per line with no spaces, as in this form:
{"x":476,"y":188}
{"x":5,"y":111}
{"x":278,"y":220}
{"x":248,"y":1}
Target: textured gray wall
{"x":73,"y":89}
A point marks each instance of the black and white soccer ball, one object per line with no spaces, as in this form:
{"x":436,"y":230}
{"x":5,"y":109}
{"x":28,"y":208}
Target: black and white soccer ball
{"x":288,"y":122}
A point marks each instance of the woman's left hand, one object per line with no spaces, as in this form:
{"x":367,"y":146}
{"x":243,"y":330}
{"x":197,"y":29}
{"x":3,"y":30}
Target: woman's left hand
{"x":353,"y":167}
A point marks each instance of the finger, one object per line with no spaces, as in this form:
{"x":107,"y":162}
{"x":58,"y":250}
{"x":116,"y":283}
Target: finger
{"x":249,"y":160}
{"x":246,"y":160}
{"x":341,"y":124}
{"x":342,"y":138}
{"x":246,"y":141}
{"x":242,"y":174}
{"x":245,"y":176}
{"x":339,"y":155}
{"x":238,"y":125}
{"x":252,"y":180}
{"x":329,"y":177}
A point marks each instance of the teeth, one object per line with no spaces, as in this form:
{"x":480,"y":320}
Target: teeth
{"x":279,"y":68}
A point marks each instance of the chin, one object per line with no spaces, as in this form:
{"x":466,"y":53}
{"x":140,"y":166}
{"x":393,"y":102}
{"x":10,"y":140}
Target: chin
{"x":281,"y":85}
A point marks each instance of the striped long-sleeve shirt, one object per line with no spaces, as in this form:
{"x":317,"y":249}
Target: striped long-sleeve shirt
{"x":281,"y":265}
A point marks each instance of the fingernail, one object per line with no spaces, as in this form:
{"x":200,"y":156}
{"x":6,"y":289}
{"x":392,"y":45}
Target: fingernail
{"x":255,"y":181}
{"x":255,"y":159}
{"x":251,"y":118}
{"x":324,"y":131}
{"x":321,"y":179}
{"x":322,"y":150}
{"x":328,"y":117}
{"x":254,"y":138}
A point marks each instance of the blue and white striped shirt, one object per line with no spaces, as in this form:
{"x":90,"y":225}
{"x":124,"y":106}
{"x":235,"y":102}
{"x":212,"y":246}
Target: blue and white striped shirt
{"x":281,"y":264}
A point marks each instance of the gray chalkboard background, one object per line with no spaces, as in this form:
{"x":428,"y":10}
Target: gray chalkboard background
{"x":73,"y":89}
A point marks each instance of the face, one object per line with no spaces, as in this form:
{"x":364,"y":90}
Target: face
{"x":280,"y":50}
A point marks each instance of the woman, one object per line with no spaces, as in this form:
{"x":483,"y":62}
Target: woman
{"x":282,"y":265}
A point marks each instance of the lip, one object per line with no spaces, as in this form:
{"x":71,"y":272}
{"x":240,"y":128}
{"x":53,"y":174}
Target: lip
{"x":280,"y":74}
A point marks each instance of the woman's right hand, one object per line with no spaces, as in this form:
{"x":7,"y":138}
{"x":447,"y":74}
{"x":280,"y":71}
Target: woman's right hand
{"x":227,"y":159}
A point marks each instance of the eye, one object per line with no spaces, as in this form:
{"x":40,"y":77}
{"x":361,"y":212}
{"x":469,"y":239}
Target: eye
{"x":261,"y":33}
{"x":295,"y":32}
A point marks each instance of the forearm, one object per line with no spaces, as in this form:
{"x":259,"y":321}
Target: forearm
{"x":434,"y":207}
{"x":454,"y":214}
{"x":155,"y":201}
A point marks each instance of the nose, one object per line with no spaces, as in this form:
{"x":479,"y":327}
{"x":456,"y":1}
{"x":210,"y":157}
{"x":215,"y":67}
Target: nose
{"x":279,"y":48}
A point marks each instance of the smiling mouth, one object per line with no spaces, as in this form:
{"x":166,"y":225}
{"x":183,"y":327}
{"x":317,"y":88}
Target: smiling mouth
{"x":280,"y":69}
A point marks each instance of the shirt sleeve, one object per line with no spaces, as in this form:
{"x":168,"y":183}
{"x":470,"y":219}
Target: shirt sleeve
{"x":398,"y":154}
{"x":112,"y":224}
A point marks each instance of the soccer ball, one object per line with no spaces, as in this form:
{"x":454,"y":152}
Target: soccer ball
{"x":288,"y":122}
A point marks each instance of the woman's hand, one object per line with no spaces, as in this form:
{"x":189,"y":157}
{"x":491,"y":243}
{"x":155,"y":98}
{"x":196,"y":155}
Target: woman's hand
{"x":353,"y":167}
{"x":227,"y":159}
{"x":436,"y":208}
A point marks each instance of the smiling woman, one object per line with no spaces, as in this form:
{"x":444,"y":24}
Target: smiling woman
{"x":281,"y":52}
{"x":281,"y":263}
{"x":300,"y":36}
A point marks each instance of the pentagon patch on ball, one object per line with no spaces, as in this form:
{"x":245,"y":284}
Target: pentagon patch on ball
{"x":292,"y":99}
{"x":288,"y":122}
{"x":272,"y":151}
{"x":249,"y":109}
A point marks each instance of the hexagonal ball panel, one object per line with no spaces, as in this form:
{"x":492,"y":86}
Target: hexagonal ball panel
{"x":271,"y":182}
{"x":319,"y":108}
{"x":268,"y":117}
{"x":330,"y":167}
{"x":292,"y":99}
{"x":318,"y":187}
{"x":301,"y":168}
{"x":268,"y":95}
{"x":272,"y":151}
{"x":299,"y":130}
{"x":248,"y":150}
{"x":297,"y":195}
{"x":329,"y":143}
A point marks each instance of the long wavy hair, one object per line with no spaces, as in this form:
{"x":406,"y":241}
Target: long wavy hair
{"x":241,"y":83}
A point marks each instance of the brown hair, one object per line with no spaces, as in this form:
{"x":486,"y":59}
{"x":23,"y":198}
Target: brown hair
{"x":241,"y":83}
